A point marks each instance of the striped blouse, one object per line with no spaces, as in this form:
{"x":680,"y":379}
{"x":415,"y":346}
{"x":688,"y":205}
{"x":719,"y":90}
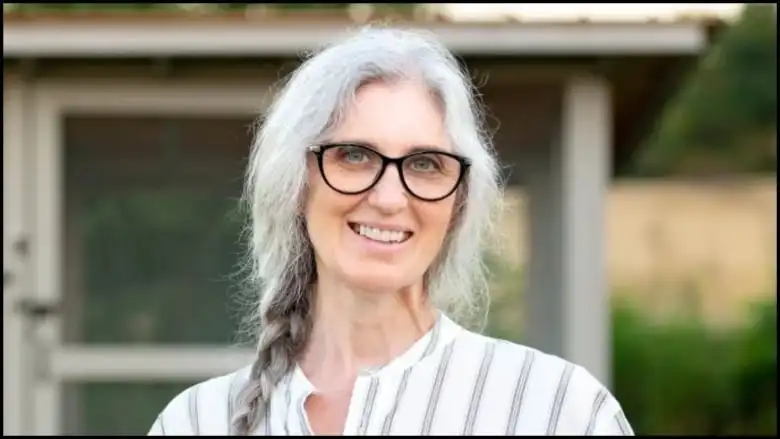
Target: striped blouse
{"x":451,"y":382}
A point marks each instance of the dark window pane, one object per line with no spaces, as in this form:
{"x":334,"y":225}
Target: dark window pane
{"x":115,"y":409}
{"x":152,"y":231}
{"x":151,"y":249}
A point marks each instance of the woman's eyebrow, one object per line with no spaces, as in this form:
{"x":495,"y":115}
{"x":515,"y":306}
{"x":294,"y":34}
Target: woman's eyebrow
{"x":375,"y":147}
{"x":426,"y":149}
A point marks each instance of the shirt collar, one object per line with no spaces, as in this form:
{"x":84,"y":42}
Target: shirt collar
{"x":440,"y":335}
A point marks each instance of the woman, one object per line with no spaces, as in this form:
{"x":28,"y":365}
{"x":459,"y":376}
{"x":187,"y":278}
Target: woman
{"x":371,"y":186}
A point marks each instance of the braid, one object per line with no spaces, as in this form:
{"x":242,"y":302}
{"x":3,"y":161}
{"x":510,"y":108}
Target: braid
{"x":284,"y":330}
{"x":275,"y":358}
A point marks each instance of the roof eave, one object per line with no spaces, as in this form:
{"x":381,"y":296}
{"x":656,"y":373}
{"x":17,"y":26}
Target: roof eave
{"x":63,"y":39}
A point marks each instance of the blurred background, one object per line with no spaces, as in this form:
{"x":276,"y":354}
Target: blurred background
{"x":640,"y":148}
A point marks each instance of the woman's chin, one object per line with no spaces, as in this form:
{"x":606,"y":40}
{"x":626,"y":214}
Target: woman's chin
{"x":377,"y":280}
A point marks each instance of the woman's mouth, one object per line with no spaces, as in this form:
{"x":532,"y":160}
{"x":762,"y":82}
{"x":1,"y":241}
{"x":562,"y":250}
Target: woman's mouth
{"x":385,"y":236}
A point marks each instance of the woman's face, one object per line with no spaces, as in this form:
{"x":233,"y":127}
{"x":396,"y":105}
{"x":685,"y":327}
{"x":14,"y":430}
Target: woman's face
{"x":394,"y":119}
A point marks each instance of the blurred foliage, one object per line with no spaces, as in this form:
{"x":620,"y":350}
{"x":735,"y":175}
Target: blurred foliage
{"x":120,"y":7}
{"x":506,"y":289}
{"x":724,"y":118}
{"x":681,"y":376}
{"x":90,"y":7}
{"x":675,"y":374}
{"x":685,"y":377}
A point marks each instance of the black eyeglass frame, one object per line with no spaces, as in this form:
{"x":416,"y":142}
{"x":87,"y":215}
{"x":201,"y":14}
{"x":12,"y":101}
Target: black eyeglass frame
{"x":319,"y":152}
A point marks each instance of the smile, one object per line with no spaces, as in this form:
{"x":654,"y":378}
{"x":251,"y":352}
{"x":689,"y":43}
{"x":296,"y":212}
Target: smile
{"x":380,"y":235}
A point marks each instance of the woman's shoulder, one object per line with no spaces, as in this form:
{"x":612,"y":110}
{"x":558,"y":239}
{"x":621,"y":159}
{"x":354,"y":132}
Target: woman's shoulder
{"x":205,"y":408}
{"x":580,"y":401}
{"x":505,"y":355}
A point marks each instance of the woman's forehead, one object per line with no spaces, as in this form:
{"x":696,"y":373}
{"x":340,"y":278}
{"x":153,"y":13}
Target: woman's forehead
{"x":393,"y":118}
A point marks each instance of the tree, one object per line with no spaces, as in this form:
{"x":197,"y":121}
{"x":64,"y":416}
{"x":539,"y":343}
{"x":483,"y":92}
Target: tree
{"x":724,"y":119}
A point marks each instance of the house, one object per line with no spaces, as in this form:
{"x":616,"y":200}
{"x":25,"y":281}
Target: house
{"x":104,"y":115}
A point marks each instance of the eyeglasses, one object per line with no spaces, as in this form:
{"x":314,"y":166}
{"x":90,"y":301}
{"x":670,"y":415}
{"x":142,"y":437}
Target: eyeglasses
{"x":352,"y":169}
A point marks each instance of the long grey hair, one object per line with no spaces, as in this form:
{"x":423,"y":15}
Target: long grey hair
{"x":309,"y":105}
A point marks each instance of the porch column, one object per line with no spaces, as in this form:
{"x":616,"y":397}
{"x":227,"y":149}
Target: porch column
{"x":567,"y":299}
{"x":18,"y":408}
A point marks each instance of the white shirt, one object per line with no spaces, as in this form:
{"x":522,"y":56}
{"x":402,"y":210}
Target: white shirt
{"x":450,"y":382}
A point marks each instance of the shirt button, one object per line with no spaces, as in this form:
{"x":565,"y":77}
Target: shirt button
{"x":368,"y":371}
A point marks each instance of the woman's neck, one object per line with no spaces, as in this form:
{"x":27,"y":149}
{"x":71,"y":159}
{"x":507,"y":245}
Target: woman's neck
{"x":356,"y":330}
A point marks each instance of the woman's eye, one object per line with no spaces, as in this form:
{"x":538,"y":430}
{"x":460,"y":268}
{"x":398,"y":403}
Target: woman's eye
{"x":424,"y":164}
{"x":353,"y":154}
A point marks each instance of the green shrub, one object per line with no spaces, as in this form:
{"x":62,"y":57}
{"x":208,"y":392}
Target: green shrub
{"x":753,"y":370}
{"x":682,"y":377}
{"x":676,"y":375}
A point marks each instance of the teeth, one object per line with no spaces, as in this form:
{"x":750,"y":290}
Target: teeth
{"x":381,"y":235}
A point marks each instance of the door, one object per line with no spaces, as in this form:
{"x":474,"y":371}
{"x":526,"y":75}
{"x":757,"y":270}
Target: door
{"x":150,"y":264}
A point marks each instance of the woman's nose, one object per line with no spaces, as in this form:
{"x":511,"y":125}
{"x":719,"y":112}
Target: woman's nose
{"x":389,"y":194}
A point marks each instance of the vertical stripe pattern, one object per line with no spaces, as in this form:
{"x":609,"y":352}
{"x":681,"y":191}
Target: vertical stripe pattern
{"x":479,"y":387}
{"x":194,"y":417}
{"x":563,"y":386}
{"x":598,"y":404}
{"x":519,"y":393}
{"x":287,"y":403}
{"x":433,"y":401}
{"x":302,"y":419}
{"x":368,"y":406}
{"x":452,"y":382}
{"x":233,"y":395}
{"x":267,"y":419}
{"x":162,"y":424}
{"x":387,"y":426}
{"x":622,"y":423}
